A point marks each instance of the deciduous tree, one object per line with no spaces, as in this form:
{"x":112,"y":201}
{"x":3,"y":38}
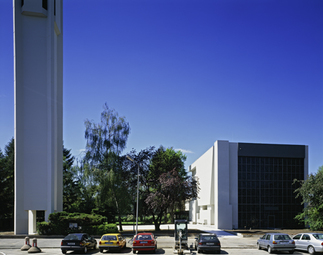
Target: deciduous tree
{"x":168,"y":184}
{"x":311,"y":191}
{"x":105,"y":141}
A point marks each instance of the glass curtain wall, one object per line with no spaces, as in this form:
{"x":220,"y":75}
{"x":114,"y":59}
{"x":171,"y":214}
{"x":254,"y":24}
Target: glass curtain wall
{"x":266,"y":197}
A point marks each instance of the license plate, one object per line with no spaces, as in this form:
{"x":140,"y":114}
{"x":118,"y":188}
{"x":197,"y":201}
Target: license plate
{"x":209,"y":243}
{"x":143,"y":242}
{"x":108,"y":243}
{"x":70,"y":243}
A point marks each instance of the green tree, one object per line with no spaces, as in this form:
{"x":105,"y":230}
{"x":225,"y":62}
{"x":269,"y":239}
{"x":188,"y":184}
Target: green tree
{"x":71,"y":183}
{"x":311,"y":192}
{"x":168,"y":185}
{"x":105,"y":142}
{"x":7,"y":185}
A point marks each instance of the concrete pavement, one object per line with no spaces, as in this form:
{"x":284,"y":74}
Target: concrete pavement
{"x":10,"y":245}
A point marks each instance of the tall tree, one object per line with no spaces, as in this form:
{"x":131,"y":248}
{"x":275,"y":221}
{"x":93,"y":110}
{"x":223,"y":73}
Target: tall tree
{"x":105,"y":141}
{"x":71,"y":183}
{"x":311,"y":192}
{"x":168,"y":184}
{"x":7,"y":183}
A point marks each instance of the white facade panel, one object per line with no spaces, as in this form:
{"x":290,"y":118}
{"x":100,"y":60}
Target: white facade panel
{"x":38,"y":56}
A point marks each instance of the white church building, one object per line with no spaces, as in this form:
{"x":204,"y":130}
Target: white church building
{"x":248,"y":185}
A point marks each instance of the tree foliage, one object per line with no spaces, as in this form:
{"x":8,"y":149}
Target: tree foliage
{"x":7,"y":184}
{"x":105,"y":142}
{"x":167,"y":185}
{"x":311,"y":192}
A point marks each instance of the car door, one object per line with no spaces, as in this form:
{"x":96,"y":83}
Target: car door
{"x":297,"y":241}
{"x":304,"y":241}
{"x":262,"y":241}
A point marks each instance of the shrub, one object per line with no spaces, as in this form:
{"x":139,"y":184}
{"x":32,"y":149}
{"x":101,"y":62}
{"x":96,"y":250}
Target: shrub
{"x":89,"y":223}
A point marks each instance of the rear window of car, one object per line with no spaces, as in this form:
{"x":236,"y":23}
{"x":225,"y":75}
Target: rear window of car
{"x":143,"y":237}
{"x":318,"y":236}
{"x":110,"y":238}
{"x":209,"y":238}
{"x":282,"y":237}
{"x":73,"y":237}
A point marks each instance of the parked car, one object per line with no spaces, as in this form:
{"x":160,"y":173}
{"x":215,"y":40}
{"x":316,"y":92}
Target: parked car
{"x":80,"y":242}
{"x":112,"y":242}
{"x":207,"y":242}
{"x":310,"y":242}
{"x":276,"y":242}
{"x":144,"y":242}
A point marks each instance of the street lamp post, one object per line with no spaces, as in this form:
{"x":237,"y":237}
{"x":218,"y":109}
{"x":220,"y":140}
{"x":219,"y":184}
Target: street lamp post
{"x":137,"y":193}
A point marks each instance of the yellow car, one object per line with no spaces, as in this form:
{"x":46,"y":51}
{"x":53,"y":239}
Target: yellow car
{"x":112,"y":242}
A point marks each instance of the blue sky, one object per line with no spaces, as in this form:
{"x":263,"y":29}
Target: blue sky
{"x":186,"y":73}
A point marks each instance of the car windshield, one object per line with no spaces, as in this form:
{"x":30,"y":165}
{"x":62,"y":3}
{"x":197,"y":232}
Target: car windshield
{"x":209,"y":238}
{"x":73,"y":237}
{"x":282,"y":237}
{"x":143,"y":237}
{"x":318,"y":236}
{"x":110,"y":238}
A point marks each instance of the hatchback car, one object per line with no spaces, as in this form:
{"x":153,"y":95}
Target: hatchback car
{"x":112,"y":242}
{"x":207,"y":243}
{"x":276,"y":242}
{"x":144,"y":242}
{"x":80,"y":242}
{"x":310,"y":242}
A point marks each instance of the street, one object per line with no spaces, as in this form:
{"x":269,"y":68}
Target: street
{"x":233,"y":245}
{"x":159,"y":251}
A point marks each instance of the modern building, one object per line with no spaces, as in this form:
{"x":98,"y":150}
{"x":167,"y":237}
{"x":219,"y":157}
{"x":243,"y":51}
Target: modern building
{"x":38,"y":130}
{"x":248,"y":185}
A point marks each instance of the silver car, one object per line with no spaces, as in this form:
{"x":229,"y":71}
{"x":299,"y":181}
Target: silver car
{"x":310,"y":242}
{"x":276,"y":242}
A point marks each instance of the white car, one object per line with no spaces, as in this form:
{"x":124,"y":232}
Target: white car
{"x":310,"y":242}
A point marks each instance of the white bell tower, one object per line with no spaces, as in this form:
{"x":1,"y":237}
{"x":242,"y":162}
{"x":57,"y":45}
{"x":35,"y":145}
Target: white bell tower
{"x":38,"y":70}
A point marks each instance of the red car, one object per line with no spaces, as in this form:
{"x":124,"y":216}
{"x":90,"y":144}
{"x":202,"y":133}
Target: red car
{"x":144,"y":242}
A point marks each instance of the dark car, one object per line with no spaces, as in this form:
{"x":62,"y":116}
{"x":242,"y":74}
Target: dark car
{"x":144,"y":242}
{"x":207,"y":243}
{"x":80,"y":242}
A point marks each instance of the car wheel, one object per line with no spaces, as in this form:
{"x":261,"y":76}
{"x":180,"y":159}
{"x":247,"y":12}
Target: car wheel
{"x":259,"y":247}
{"x":133,"y":251}
{"x":63,"y":251}
{"x":311,"y":250}
{"x":101,"y":250}
{"x":85,"y":250}
{"x":270,"y":250}
{"x":291,"y":252}
{"x":198,"y":251}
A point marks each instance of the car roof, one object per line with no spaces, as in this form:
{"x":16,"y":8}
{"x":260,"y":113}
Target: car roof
{"x":312,"y":233}
{"x":208,"y":234}
{"x":112,"y":234}
{"x":145,"y":233}
{"x":277,"y":233}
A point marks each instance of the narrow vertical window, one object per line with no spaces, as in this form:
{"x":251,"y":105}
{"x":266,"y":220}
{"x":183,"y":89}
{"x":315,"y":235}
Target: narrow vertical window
{"x":44,"y":4}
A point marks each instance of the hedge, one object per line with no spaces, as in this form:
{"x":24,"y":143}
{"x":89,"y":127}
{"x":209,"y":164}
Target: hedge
{"x":59,"y":224}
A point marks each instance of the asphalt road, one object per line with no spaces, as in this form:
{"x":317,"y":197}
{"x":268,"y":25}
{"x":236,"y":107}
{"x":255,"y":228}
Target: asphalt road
{"x":232,"y":245}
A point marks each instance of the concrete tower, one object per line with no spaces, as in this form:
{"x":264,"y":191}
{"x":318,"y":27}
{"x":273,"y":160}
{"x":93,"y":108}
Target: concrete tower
{"x":38,"y":70}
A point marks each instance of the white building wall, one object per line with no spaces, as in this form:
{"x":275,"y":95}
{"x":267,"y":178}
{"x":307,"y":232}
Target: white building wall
{"x":233,"y":166}
{"x":223,"y":219}
{"x":203,"y":168}
{"x":38,"y":56}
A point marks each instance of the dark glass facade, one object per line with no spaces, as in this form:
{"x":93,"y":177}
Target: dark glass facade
{"x":266,"y":197}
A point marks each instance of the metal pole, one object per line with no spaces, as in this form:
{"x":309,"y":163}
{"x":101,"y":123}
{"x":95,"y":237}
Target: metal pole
{"x":137,"y":200}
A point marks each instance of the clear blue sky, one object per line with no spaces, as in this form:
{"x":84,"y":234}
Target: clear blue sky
{"x":186,"y":73}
